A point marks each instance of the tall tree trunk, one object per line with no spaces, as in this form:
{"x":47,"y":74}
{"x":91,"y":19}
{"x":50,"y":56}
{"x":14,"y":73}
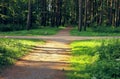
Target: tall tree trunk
{"x":29,"y":17}
{"x":53,"y":14}
{"x":76,"y":11}
{"x":59,"y":12}
{"x":80,"y":16}
{"x":101,"y":12}
{"x":116,"y":13}
{"x":110,"y":12}
{"x":43,"y":12}
{"x":85,"y":19}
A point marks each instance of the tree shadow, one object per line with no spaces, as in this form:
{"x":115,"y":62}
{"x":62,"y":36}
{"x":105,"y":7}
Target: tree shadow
{"x":26,"y":69}
{"x":51,"y":50}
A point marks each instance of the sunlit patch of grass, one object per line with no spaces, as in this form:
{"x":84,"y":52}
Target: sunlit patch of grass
{"x":83,"y":55}
{"x":86,"y":58}
{"x":13,"y":49}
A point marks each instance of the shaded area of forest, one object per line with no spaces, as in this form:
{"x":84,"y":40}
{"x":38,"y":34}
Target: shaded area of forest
{"x":29,"y":14}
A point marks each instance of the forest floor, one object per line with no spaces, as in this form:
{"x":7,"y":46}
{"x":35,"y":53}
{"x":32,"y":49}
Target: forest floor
{"x":49,"y":61}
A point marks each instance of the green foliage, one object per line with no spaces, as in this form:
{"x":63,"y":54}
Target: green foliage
{"x":11,"y":27}
{"x":106,"y":29}
{"x":34,"y":32}
{"x":109,"y":63}
{"x":95,"y":59}
{"x":97,"y":31}
{"x":13,"y":49}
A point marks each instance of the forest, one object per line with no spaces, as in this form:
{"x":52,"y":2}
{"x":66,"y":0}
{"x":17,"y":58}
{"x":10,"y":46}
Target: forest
{"x":29,"y":14}
{"x":84,"y":41}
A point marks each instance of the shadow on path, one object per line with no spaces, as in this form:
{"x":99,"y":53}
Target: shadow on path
{"x":49,"y":61}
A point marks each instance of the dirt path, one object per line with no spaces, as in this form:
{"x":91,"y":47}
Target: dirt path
{"x":64,"y":32}
{"x":49,"y":61}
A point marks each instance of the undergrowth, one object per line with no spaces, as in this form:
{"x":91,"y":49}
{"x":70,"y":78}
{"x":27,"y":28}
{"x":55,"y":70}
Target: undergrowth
{"x":95,"y":59}
{"x":97,"y":31}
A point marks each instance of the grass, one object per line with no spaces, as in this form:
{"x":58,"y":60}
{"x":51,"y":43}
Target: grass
{"x":95,"y":59}
{"x":13,"y":49}
{"x":33,"y":32}
{"x":95,"y":32}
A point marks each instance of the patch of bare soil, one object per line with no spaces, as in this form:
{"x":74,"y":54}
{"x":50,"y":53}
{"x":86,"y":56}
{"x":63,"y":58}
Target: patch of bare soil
{"x":64,"y":32}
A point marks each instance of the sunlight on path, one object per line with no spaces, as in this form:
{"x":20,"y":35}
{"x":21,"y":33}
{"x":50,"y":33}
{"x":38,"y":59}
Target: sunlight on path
{"x":44,"y":62}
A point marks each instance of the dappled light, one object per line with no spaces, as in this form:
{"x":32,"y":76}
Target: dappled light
{"x":13,"y":49}
{"x":50,"y":60}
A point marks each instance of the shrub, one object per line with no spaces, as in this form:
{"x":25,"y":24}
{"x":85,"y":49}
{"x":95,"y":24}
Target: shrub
{"x":106,"y":29}
{"x":95,"y":59}
{"x":108,"y":66}
{"x":11,"y":27}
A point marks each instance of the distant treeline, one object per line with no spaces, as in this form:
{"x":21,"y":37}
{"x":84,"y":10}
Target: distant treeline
{"x":60,"y":12}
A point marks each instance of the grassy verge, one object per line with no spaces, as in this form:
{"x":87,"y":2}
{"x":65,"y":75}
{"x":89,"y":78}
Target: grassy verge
{"x":13,"y":49}
{"x":90,"y":32}
{"x":95,"y":59}
{"x":34,"y":32}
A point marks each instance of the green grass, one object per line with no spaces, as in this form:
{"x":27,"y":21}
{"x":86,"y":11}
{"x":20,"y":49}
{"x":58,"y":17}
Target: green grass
{"x":13,"y":49}
{"x":95,"y":59}
{"x":90,"y":32}
{"x":34,"y":32}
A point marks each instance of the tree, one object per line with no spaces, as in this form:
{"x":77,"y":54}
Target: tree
{"x":80,"y":16}
{"x":60,"y":12}
{"x":29,"y":17}
{"x":85,"y":18}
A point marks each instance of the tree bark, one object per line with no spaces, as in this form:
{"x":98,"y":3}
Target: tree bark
{"x":80,"y":16}
{"x":29,"y":17}
{"x":101,"y":12}
{"x":85,"y":18}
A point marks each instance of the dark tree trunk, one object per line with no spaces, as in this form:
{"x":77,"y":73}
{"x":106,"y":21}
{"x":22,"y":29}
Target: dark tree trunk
{"x":80,"y":16}
{"x":117,"y":13}
{"x":110,"y":12}
{"x":101,"y":12}
{"x":29,"y":17}
{"x":85,"y":18}
{"x":43,"y":12}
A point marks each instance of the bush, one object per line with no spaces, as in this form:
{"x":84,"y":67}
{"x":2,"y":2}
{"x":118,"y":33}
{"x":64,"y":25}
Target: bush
{"x":108,"y":66}
{"x":106,"y":29}
{"x":11,"y":27}
{"x":95,"y":59}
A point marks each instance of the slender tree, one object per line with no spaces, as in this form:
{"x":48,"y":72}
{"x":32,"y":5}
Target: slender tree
{"x":85,"y":18}
{"x":43,"y":12}
{"x":29,"y":17}
{"x":80,"y":16}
